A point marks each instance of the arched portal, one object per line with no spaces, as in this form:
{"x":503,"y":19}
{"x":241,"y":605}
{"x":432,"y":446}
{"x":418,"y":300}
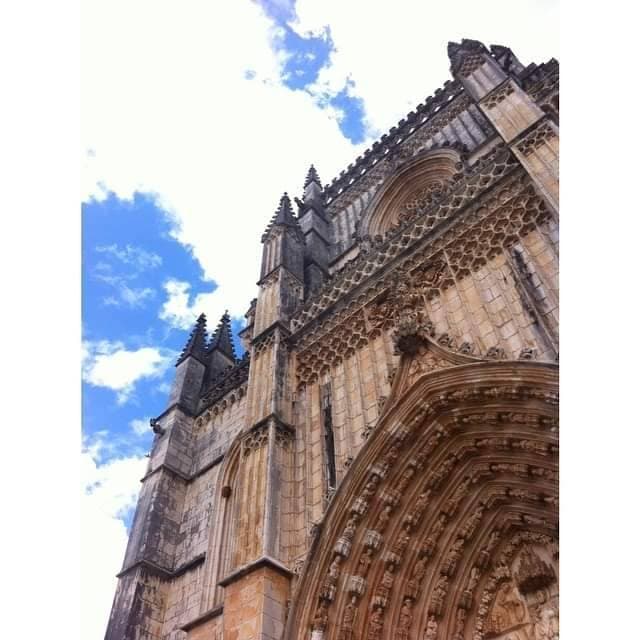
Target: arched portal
{"x":446,"y":525}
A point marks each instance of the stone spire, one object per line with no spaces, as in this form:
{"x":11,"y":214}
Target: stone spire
{"x":312,"y":176}
{"x":315,"y":227}
{"x":197,"y":344}
{"x":222,"y":339}
{"x":282,"y":217}
{"x":284,"y":214}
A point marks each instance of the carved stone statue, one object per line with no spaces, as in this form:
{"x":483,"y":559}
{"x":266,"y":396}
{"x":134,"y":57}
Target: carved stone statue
{"x":364,"y":562}
{"x":375,"y":624}
{"x":348,"y":619}
{"x":343,"y":545}
{"x":384,"y":587}
{"x":383,"y":519}
{"x":507,"y":611}
{"x":404,"y":624}
{"x":546,"y":625}
{"x":431,"y":630}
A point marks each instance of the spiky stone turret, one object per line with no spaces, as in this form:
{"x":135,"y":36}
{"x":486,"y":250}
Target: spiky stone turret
{"x":197,"y":344}
{"x":222,"y":339}
{"x":283,"y":216}
{"x":312,"y":176}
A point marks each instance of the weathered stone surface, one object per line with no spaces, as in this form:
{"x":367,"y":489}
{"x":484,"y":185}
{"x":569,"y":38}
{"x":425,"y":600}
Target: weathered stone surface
{"x":383,"y":462}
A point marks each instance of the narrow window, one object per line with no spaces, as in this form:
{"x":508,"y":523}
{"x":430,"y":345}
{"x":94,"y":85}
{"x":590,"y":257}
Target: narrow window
{"x":329,"y":448}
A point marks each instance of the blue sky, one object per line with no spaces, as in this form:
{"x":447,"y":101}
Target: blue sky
{"x":191,"y":132}
{"x":130,"y":253}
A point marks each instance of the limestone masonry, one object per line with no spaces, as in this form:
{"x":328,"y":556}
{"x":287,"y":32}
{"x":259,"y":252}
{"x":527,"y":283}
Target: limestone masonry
{"x":383,"y":461}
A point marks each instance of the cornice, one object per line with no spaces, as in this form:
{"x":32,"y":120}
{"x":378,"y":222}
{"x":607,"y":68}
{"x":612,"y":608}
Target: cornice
{"x":214,"y":612}
{"x":263,"y":561}
{"x":162,"y":572}
{"x":183,"y":476}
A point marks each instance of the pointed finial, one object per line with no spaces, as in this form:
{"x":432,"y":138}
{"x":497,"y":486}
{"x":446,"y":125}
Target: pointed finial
{"x":312,"y":176}
{"x":197,"y":342}
{"x":222,"y":339}
{"x":284,"y":214}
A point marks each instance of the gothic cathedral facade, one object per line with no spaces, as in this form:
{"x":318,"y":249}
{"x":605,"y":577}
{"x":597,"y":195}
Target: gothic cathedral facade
{"x":383,"y":461}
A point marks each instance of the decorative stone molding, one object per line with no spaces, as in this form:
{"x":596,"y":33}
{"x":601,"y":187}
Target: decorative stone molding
{"x":536,"y":138}
{"x":497,"y":95}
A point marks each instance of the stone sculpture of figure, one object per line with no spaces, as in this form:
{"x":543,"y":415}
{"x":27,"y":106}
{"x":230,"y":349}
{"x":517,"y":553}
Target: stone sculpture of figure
{"x":461,"y":616}
{"x":364,"y":563}
{"x":321,"y":617}
{"x":334,"y":568}
{"x":454,"y":501}
{"x":474,"y":578}
{"x":401,"y":542}
{"x":370,"y":487}
{"x":375,"y":624}
{"x":417,"y":575}
{"x":431,"y":630}
{"x":348,"y":619}
{"x":436,"y":530}
{"x":407,"y":474}
{"x":453,"y":556}
{"x":507,"y":610}
{"x":439,"y":594}
{"x":546,"y":626}
{"x":472,"y":522}
{"x":329,"y":585}
{"x":383,"y":519}
{"x":386,"y":583}
{"x":404,"y":624}
{"x":343,"y":545}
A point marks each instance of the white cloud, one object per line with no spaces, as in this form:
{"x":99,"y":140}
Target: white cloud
{"x":170,"y":111}
{"x":397,"y":52}
{"x":178,"y":312}
{"x":140,"y":426}
{"x":130,"y":255}
{"x":109,"y":493}
{"x":133,"y":297}
{"x":111,"y":365}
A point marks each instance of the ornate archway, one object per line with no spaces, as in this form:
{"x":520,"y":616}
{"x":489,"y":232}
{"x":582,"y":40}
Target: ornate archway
{"x":446,"y":525}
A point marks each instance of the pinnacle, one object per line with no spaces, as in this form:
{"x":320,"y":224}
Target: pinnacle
{"x":197,"y":342}
{"x":222,"y":338}
{"x":284,"y":214}
{"x":312,"y":176}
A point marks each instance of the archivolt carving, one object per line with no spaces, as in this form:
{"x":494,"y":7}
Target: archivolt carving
{"x":472,"y":495}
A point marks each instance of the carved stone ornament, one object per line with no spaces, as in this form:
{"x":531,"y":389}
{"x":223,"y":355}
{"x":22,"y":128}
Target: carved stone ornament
{"x":508,"y":611}
{"x":533,"y":573}
{"x":348,"y":619}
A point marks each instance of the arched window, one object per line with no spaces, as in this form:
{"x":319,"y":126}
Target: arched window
{"x":412,"y":187}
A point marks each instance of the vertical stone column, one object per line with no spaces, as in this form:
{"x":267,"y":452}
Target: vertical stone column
{"x":257,"y":587}
{"x":530,"y":133}
{"x":138,"y":606}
